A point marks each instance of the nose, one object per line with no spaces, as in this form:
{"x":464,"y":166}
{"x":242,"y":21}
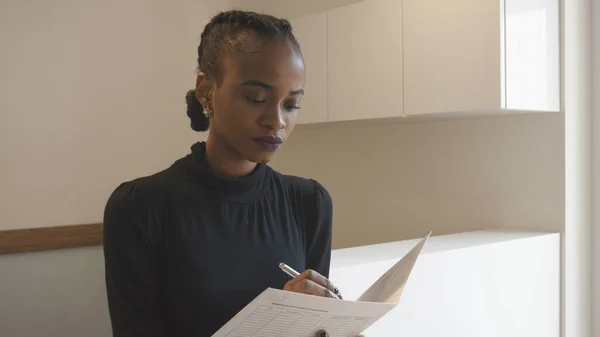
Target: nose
{"x":275,"y":119}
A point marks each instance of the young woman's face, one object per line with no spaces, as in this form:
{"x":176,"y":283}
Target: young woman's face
{"x":256,"y":105}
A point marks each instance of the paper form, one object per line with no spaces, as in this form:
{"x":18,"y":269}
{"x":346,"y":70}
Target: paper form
{"x":282,"y":313}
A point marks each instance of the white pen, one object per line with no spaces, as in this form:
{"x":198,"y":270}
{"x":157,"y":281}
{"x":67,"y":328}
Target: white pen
{"x":293,"y":274}
{"x":289,"y":270}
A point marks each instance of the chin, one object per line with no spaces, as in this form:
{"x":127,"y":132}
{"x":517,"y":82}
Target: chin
{"x":260,"y":157}
{"x":263,"y":159}
{"x":257,"y":154}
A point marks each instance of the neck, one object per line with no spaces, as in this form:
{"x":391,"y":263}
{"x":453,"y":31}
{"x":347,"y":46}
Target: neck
{"x":224,"y":161}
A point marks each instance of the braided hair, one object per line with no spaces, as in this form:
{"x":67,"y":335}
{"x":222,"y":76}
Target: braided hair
{"x":228,"y":31}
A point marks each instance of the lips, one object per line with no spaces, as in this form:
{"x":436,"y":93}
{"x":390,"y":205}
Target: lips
{"x":269,"y":143}
{"x":269,"y":139}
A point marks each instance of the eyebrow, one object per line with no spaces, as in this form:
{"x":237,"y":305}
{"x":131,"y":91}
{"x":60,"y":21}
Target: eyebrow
{"x":257,"y":83}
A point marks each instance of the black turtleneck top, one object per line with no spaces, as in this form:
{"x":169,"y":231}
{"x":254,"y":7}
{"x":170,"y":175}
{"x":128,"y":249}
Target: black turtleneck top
{"x":185,"y":250}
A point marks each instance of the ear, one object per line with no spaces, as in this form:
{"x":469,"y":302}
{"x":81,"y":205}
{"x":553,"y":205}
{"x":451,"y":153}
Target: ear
{"x":204,"y":87}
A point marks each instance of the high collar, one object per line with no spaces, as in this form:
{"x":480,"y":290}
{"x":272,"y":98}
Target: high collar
{"x":239,"y":189}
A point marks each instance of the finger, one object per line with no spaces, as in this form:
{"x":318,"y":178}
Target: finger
{"x":320,"y":279}
{"x":339,"y":294}
{"x":314,"y":276}
{"x":323,"y":333}
{"x":323,"y":281}
{"x":308,"y":274}
{"x":310,"y":287}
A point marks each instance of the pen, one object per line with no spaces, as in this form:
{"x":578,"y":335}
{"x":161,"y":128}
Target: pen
{"x":293,"y":274}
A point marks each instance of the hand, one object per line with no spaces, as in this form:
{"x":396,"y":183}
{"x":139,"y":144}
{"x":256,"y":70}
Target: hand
{"x":324,"y":333}
{"x":313,"y":283}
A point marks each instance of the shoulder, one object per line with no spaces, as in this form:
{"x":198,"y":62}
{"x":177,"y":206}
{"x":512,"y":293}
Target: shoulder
{"x":135,"y":210}
{"x":309,"y":192}
{"x":313,"y":206}
{"x":138,"y":197}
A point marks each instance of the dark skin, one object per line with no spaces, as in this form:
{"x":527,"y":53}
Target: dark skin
{"x":259,"y":94}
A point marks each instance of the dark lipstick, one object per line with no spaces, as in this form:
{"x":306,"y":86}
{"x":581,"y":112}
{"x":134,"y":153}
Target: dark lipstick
{"x":269,"y":143}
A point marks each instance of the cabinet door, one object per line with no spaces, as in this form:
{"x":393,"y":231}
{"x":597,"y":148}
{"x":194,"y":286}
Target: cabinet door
{"x":364,"y":47}
{"x":531,"y":49}
{"x":452,"y":55}
{"x":311,"y":33}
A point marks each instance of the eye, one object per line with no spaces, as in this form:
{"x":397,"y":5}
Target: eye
{"x":254,"y":100}
{"x":291,"y":107}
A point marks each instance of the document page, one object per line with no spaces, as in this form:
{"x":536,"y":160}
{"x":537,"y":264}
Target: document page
{"x":388,"y":288}
{"x":282,"y":313}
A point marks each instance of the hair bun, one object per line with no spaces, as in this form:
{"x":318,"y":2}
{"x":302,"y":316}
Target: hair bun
{"x":198,"y":120}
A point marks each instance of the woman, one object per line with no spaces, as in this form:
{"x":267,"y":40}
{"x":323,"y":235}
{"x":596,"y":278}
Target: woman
{"x":188,"y":247}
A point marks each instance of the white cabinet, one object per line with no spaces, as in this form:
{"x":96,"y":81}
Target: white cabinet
{"x":480,"y":55}
{"x":311,"y":33}
{"x":391,"y":58}
{"x":472,"y":284}
{"x":364,"y":63}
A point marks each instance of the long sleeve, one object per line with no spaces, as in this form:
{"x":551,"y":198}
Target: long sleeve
{"x":131,"y":265}
{"x":319,"y":233}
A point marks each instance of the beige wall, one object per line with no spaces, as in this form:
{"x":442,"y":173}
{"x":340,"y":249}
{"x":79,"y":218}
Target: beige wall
{"x":398,"y":181}
{"x":88,"y":85}
{"x":288,"y":8}
{"x":94,"y":96}
{"x":92,"y":93}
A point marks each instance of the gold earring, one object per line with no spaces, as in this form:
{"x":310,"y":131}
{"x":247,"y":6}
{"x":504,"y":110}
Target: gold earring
{"x":207,"y":111}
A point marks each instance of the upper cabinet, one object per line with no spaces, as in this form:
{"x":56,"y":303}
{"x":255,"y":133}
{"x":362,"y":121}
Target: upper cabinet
{"x":480,"y":55}
{"x":311,"y":33}
{"x":531,"y":66}
{"x":389,"y":58}
{"x":364,"y":60}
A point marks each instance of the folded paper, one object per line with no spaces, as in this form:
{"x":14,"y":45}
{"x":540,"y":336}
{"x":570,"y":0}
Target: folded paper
{"x":282,"y":313}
